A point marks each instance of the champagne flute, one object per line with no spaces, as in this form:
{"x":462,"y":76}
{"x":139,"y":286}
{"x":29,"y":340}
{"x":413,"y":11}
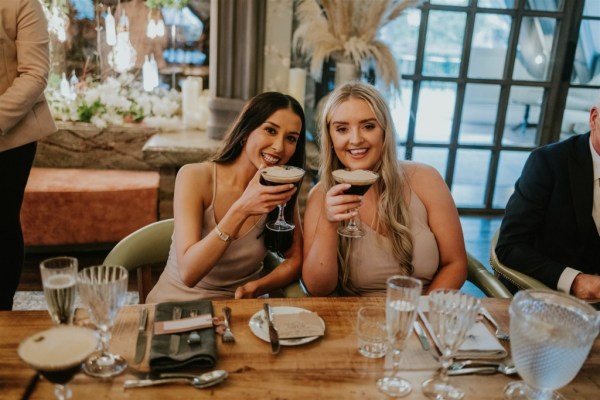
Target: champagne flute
{"x":551,"y":334}
{"x":281,"y":175}
{"x":103,"y":289}
{"x":361,"y":180}
{"x":451,"y":314}
{"x":57,"y":354}
{"x":403,"y":294}
{"x":59,"y":275}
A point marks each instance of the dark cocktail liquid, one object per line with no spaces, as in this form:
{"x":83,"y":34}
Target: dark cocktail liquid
{"x":358,"y":189}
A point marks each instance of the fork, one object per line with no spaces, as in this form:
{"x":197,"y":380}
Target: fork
{"x":194,"y":337}
{"x":507,"y":368}
{"x":500,"y":334}
{"x":228,"y":335}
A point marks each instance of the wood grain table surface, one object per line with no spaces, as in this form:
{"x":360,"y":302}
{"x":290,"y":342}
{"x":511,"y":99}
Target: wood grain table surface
{"x":327,"y":368}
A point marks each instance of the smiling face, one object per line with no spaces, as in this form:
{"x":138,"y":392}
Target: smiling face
{"x":356,"y":135}
{"x":275,"y":140}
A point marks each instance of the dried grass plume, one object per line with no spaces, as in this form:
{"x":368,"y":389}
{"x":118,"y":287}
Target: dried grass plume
{"x":348,"y":27}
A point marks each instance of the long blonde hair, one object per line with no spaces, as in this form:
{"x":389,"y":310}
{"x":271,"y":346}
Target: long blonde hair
{"x":391,"y":209}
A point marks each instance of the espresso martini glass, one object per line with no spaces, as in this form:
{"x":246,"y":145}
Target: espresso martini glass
{"x":58,"y":353}
{"x":281,"y":175}
{"x":361,"y":180}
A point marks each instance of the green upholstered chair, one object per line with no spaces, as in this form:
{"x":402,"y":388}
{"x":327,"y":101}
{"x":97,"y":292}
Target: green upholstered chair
{"x":479,"y":275}
{"x":518,"y":279}
{"x":139,"y":250}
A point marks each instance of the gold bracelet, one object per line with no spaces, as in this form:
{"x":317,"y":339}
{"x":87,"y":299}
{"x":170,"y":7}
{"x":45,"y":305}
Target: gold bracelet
{"x":222,"y":235}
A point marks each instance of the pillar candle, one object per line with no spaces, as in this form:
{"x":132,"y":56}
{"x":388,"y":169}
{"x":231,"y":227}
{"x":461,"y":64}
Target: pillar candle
{"x":296,"y":84}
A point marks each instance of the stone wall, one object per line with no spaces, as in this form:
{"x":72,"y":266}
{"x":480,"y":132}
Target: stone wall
{"x":82,"y":145}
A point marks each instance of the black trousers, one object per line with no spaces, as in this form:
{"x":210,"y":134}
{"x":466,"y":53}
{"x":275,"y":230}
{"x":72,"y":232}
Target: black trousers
{"x":15,"y":165}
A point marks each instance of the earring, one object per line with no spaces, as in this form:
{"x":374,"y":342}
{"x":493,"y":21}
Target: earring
{"x":242,"y":142}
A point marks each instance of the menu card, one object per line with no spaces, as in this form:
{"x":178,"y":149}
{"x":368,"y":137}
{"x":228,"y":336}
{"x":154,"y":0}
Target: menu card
{"x":302,"y":324}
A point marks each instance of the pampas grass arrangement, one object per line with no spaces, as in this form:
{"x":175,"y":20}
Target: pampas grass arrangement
{"x":348,"y":28}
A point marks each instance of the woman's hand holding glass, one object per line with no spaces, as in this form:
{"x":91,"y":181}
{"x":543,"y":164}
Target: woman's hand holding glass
{"x":259,"y":199}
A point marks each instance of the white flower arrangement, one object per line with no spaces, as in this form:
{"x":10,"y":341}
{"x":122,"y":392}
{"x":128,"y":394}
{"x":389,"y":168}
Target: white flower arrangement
{"x":116,"y":101}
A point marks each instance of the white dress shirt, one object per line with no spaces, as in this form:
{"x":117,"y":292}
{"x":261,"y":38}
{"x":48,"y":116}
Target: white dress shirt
{"x":568,"y":276}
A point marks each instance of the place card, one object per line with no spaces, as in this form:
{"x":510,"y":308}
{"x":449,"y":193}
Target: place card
{"x":183,"y":325}
{"x":303,"y":324}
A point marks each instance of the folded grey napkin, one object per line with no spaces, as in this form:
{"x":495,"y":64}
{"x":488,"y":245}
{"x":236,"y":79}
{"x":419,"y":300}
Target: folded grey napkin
{"x":203,"y":355}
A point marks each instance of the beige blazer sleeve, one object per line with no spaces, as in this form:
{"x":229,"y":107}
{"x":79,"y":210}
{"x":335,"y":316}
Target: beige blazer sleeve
{"x":24,"y":64}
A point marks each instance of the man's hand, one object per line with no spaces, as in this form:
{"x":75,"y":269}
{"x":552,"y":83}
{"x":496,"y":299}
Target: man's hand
{"x":586,"y":286}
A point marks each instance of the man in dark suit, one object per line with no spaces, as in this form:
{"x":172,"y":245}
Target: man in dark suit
{"x":551,"y":228}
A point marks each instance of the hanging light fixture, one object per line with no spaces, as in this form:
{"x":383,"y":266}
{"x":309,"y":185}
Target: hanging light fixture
{"x":111,"y":32}
{"x":123,"y":55}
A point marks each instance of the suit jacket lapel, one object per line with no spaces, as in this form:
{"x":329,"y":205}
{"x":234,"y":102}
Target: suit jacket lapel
{"x":581,"y":175}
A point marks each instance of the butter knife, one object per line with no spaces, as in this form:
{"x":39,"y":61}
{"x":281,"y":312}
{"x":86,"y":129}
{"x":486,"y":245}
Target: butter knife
{"x":174,"y":345}
{"x":422,"y":336}
{"x":140,"y":346}
{"x":273,"y":335}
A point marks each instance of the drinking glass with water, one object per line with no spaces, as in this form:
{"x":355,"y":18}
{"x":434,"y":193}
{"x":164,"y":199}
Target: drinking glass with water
{"x":551,"y":335}
{"x":371,"y":332}
{"x":59,"y":278}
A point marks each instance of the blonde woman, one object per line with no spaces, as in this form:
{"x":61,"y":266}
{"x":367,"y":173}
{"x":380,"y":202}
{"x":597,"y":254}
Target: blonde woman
{"x":411,"y":222}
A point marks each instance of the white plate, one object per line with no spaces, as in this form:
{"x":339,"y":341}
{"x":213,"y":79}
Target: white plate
{"x":259,"y":325}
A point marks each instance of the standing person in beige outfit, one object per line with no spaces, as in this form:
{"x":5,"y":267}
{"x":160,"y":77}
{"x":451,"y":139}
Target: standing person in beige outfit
{"x":24,"y":118}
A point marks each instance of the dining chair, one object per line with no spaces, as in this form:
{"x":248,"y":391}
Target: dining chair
{"x":139,"y":250}
{"x":516,"y":280}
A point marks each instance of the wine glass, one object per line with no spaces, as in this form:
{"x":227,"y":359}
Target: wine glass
{"x":403,"y":294}
{"x":103,"y":289}
{"x":361,"y":180}
{"x":281,"y":175}
{"x":59,"y":276}
{"x":57,"y":354}
{"x":451,"y":314}
{"x":551,"y":334}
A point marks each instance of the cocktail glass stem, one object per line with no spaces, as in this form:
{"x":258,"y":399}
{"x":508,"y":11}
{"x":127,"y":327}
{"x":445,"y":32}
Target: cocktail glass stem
{"x":62,"y":392}
{"x":351,"y":229}
{"x":280,"y":219}
{"x":352,"y":225}
{"x":280,"y":224}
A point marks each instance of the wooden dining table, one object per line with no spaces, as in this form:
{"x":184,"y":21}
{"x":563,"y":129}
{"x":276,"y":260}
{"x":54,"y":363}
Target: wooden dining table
{"x":329,"y":367}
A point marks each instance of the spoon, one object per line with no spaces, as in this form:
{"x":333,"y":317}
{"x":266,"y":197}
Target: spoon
{"x":198,"y":381}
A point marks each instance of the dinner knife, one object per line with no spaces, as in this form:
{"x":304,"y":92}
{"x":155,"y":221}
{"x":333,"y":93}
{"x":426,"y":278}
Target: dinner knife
{"x":273,"y":335}
{"x":140,"y":347}
{"x":174,"y":344}
{"x":422,"y":337}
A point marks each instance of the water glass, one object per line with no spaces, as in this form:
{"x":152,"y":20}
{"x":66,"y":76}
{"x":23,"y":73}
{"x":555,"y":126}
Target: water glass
{"x":451,"y":314}
{"x":59,"y":276}
{"x":402,"y":301}
{"x":551,"y":334}
{"x":371,"y":332}
{"x":103,"y":290}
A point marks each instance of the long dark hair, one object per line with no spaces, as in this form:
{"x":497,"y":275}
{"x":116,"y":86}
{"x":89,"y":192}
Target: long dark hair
{"x":255,"y":112}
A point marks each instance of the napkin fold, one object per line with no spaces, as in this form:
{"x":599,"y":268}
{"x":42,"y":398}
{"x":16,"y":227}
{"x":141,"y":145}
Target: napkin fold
{"x":203,"y":355}
{"x":480,"y":342}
